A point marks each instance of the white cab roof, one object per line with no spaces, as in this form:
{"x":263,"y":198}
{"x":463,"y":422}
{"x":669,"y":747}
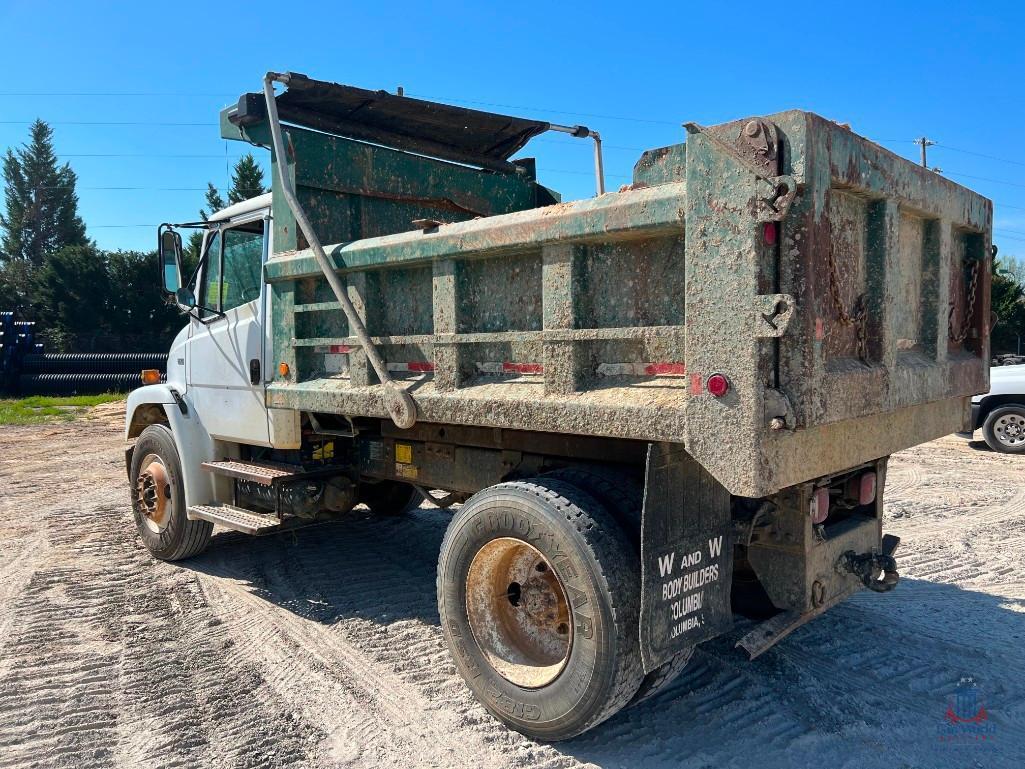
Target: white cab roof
{"x":244,"y":207}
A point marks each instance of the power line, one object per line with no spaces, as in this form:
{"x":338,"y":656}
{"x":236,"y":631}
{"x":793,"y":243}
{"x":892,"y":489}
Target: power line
{"x":986,"y":179}
{"x":981,"y":155}
{"x":106,"y":94}
{"x":138,"y":155}
{"x":633,"y":119}
{"x":146,"y":123}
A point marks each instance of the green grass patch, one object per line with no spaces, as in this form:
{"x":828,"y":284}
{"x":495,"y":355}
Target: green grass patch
{"x":43,"y":408}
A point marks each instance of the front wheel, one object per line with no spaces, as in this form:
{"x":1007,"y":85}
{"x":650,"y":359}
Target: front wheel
{"x":1004,"y":429}
{"x":158,"y":499}
{"x":538,"y":595}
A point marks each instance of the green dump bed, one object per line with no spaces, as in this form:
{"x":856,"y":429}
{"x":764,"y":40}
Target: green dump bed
{"x":841,"y":290}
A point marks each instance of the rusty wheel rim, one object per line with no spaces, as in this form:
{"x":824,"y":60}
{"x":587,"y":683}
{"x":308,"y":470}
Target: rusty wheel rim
{"x":518,"y":612}
{"x":153,"y":493}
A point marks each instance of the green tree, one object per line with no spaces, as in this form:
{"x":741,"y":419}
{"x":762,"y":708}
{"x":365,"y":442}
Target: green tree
{"x":1014,"y":267}
{"x":214,"y":203}
{"x":247,"y":180}
{"x":136,"y":309}
{"x":1007,"y":300}
{"x":73,"y":286}
{"x":41,"y":206}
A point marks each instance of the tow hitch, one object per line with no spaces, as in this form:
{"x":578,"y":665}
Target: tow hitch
{"x":877,"y":571}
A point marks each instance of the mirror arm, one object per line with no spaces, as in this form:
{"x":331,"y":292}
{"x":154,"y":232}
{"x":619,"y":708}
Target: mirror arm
{"x":217,"y":314}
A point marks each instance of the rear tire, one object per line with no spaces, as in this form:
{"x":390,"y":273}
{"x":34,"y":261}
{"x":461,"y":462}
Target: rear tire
{"x":1004,"y":429}
{"x":624,"y":498}
{"x":158,"y":499}
{"x":513,"y":659}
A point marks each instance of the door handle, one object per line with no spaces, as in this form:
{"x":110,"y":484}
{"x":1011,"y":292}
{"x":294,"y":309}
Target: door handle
{"x":254,"y":371}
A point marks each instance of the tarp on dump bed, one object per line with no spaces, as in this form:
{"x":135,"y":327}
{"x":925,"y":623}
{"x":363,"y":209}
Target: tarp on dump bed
{"x":463,"y":135}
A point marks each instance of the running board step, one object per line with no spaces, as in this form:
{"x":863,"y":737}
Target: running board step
{"x":265,"y":473}
{"x":235,"y":518}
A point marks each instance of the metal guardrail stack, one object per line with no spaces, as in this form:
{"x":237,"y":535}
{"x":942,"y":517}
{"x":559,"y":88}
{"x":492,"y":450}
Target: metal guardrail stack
{"x":25,"y":369}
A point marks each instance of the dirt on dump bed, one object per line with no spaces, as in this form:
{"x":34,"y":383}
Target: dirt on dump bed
{"x":321,"y":646}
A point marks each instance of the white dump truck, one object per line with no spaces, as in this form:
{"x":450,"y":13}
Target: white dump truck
{"x":649,"y":411}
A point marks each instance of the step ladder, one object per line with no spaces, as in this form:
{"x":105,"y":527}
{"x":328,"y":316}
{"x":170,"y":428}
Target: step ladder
{"x":265,"y":473}
{"x":234,"y":518}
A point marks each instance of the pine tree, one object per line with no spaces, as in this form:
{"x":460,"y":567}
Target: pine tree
{"x":247,"y":181}
{"x":214,"y":202}
{"x":41,"y":211}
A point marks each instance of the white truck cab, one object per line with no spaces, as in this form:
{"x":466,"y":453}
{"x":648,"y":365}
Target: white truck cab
{"x":218,"y":364}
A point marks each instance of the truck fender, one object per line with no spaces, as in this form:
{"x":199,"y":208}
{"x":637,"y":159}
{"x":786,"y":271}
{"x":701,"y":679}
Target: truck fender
{"x":163,"y":404}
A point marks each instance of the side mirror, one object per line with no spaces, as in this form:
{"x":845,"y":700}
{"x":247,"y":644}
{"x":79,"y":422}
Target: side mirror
{"x":185,"y":298}
{"x":170,"y":249}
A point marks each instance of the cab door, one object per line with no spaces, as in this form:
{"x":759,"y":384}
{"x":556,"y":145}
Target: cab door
{"x":226,"y":349}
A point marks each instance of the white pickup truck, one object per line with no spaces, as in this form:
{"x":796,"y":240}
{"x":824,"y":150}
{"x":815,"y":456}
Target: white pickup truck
{"x":1000,"y":413}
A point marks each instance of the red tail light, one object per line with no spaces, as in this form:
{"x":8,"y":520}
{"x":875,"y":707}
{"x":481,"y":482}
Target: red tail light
{"x":867,"y":489}
{"x":861,"y":489}
{"x":819,"y":507}
{"x":717,"y":385}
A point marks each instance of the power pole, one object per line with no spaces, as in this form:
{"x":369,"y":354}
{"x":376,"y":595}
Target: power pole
{"x":923,"y":143}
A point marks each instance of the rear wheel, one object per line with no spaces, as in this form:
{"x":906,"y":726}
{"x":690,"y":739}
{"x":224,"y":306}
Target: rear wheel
{"x":1004,"y":429}
{"x":538,"y":593}
{"x":158,"y":499}
{"x":624,"y":498}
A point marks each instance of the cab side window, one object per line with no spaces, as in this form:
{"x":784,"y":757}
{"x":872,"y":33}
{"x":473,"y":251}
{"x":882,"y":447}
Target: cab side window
{"x":233,"y":273}
{"x":241,"y":265}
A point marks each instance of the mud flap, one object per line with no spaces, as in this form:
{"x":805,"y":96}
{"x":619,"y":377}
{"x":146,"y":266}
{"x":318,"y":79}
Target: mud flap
{"x":686,"y":555}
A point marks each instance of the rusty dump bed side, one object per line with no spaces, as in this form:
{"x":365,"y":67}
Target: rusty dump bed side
{"x":842,"y":290}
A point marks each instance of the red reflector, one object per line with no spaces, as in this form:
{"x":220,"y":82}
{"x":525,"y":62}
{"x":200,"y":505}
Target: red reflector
{"x":717,"y":385}
{"x":819,"y":507}
{"x":867,"y":489}
{"x":769,"y":233}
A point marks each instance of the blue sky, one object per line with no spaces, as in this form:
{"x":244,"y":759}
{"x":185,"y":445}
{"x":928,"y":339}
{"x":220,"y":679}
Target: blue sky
{"x":634,"y":71}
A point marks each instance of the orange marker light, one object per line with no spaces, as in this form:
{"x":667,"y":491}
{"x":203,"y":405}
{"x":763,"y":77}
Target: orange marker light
{"x":283,"y":370}
{"x":150,"y":376}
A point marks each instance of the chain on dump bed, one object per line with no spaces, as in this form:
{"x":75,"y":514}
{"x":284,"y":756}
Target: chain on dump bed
{"x":860,"y":317}
{"x":966,"y":321}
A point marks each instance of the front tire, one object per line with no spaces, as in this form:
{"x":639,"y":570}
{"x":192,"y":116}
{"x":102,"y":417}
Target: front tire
{"x":1004,"y":429}
{"x":158,"y":499}
{"x":538,"y":591}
